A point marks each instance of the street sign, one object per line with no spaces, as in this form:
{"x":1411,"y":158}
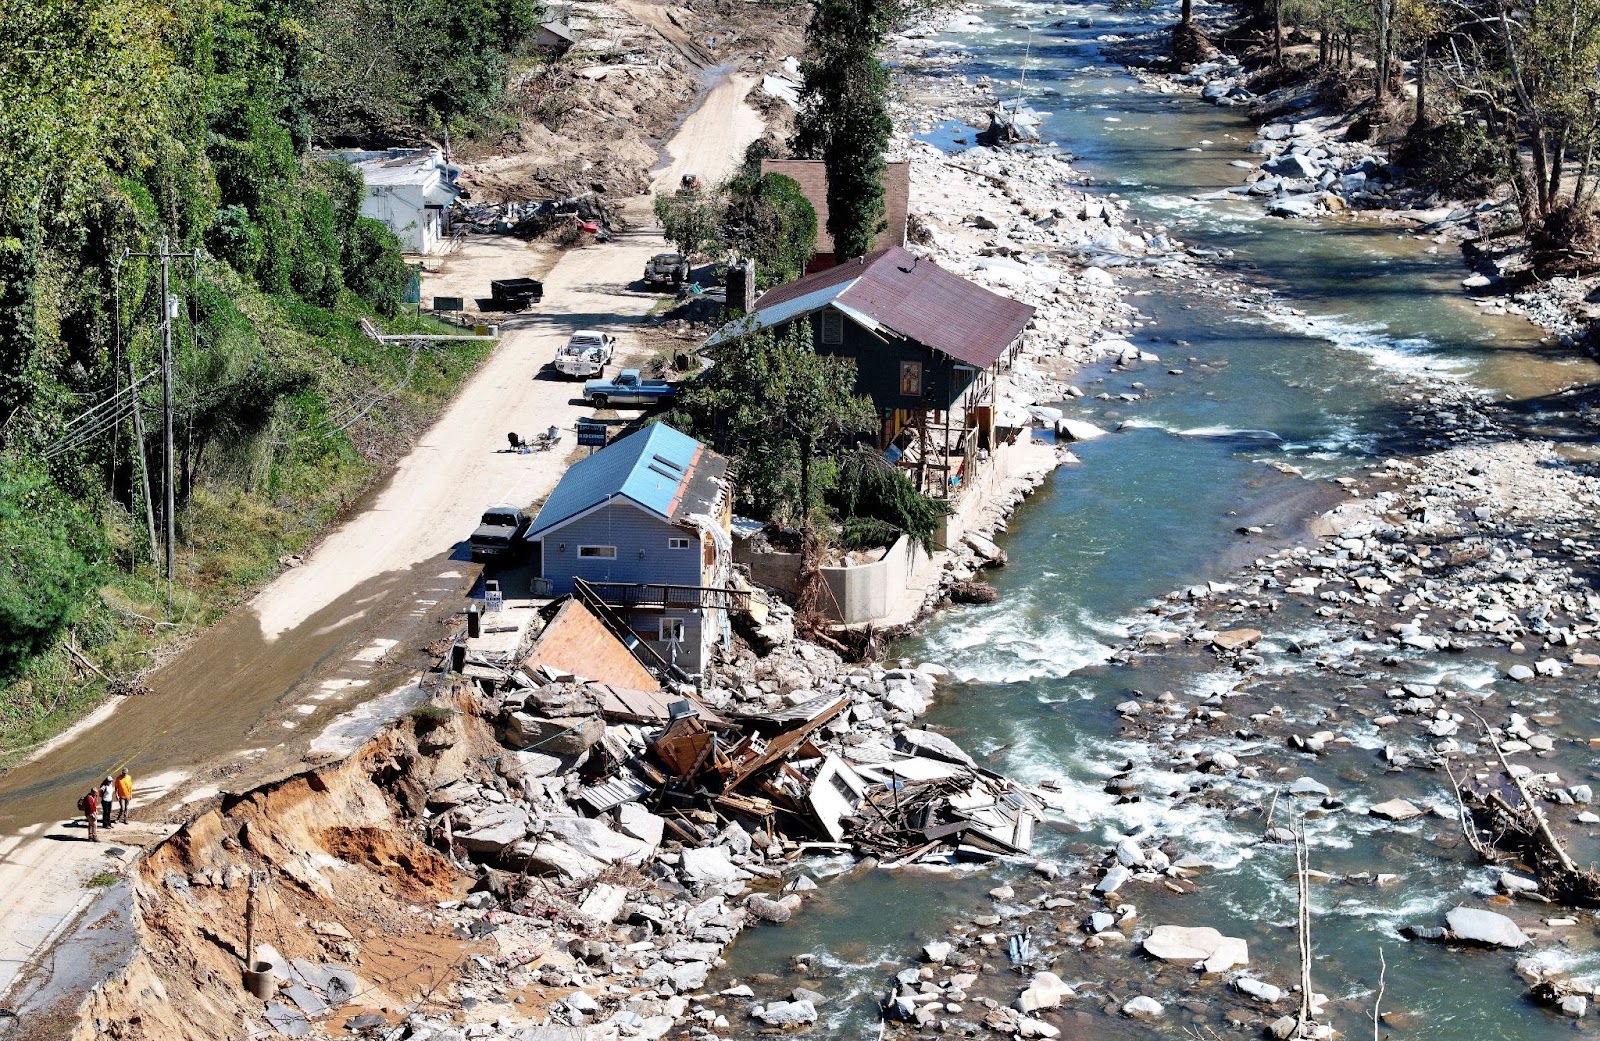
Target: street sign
{"x":449,"y":303}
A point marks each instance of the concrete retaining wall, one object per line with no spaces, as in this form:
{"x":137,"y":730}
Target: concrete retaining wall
{"x":857,"y":594}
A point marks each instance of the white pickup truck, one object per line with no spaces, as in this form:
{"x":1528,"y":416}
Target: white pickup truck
{"x":586,"y":354}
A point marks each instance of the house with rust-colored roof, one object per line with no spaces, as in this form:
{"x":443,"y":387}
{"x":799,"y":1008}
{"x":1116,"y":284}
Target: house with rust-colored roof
{"x":812,"y":178}
{"x":928,"y":346}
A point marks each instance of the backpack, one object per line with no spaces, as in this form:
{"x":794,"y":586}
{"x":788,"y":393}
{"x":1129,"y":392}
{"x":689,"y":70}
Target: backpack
{"x":83,"y":804}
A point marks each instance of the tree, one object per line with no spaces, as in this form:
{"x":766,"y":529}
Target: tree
{"x":50,"y":549}
{"x":777,"y":407}
{"x":689,"y":219}
{"x":768,"y":218}
{"x":844,"y":114}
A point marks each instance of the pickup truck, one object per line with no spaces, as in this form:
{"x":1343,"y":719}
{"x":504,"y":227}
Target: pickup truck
{"x":498,"y":533}
{"x":627,"y":389}
{"x":586,"y":354}
{"x":667,"y":269}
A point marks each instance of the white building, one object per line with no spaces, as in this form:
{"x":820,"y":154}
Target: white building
{"x":408,"y":190}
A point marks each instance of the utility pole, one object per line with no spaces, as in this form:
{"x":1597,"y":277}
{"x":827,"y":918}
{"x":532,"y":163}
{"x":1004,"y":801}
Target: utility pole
{"x":169,"y":311}
{"x":166,"y":416}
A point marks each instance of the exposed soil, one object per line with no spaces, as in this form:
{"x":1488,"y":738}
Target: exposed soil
{"x":598,"y":119}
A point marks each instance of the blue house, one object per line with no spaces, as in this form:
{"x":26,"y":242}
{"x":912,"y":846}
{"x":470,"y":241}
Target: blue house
{"x":643,"y":525}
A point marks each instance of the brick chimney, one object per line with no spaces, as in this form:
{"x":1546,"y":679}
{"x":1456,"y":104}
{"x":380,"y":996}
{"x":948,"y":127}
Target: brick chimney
{"x":742,"y":286}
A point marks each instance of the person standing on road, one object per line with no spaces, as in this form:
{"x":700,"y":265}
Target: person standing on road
{"x":90,"y":807}
{"x":124,"y":792}
{"x":106,"y":787}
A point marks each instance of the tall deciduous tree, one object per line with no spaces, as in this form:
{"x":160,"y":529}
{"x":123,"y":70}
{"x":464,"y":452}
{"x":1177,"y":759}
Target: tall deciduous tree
{"x":778,"y":407}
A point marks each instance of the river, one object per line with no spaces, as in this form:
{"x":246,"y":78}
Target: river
{"x":1155,"y":508}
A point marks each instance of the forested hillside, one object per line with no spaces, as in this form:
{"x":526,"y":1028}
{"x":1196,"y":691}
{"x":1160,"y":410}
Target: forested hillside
{"x":123,"y":121}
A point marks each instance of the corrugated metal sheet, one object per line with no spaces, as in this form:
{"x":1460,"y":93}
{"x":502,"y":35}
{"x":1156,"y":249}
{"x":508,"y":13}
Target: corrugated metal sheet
{"x":650,"y":467}
{"x":624,"y":787}
{"x":917,"y":299}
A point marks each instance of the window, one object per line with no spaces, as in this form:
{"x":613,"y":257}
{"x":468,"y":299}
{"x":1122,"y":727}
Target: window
{"x":599,"y":552}
{"x":832,"y":327}
{"x":671,"y":630}
{"x":677,"y":543}
{"x":911,"y":379}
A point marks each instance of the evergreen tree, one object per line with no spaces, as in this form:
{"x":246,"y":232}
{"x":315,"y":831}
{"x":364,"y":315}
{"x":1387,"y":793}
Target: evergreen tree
{"x":844,"y":114}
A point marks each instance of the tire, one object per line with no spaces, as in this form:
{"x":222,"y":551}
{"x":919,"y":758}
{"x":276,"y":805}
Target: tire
{"x":599,"y":400}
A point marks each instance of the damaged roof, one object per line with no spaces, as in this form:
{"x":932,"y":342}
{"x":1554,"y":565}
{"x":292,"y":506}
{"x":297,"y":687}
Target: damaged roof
{"x":576,"y":642}
{"x":895,"y":292}
{"x":661,"y":470}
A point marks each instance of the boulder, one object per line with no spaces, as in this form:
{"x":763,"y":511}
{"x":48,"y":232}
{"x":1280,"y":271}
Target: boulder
{"x":1113,"y":880}
{"x":1143,"y":1007}
{"x":565,"y":736}
{"x":1395,"y":810}
{"x":1027,"y":1026}
{"x":492,"y":829}
{"x":936,"y":952}
{"x":1307,"y":787}
{"x":639,"y":823}
{"x":767,"y":909}
{"x":786,"y":1013}
{"x":1485,"y":928}
{"x":593,"y":838}
{"x":1258,"y":989}
{"x":1293,"y":164}
{"x":1236,"y":639}
{"x":708,"y":865}
{"x":1045,"y":990}
{"x":1077,"y":430}
{"x":1175,"y":943}
{"x":936,"y":746}
{"x":549,"y":857}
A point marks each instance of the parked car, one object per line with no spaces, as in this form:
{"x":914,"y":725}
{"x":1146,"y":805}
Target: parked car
{"x":516,"y":294}
{"x":666,"y":269}
{"x":499,"y":533}
{"x":586,"y":354}
{"x":627,"y":389}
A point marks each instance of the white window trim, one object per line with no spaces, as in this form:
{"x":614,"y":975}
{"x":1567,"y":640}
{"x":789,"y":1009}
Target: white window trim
{"x":668,"y":628}
{"x":610,"y":553}
{"x":678,"y":542}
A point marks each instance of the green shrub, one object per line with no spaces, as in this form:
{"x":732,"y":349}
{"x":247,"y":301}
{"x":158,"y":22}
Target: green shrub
{"x":234,"y":238}
{"x":50,"y":554}
{"x":374,"y":269}
{"x":1455,"y":156}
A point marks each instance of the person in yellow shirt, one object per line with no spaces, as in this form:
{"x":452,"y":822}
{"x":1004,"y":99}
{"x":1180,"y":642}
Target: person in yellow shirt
{"x":124,"y":792}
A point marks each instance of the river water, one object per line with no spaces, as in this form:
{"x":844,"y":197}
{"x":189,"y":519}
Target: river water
{"x":1155,"y":507}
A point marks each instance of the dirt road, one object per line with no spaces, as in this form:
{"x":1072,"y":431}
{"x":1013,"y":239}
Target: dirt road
{"x":241,"y":704}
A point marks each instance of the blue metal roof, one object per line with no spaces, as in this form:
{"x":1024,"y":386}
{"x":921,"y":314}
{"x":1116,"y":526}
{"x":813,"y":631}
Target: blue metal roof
{"x":648,"y":466}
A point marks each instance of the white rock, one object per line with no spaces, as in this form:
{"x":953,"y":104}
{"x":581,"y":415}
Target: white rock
{"x":1045,"y":990}
{"x":1143,"y":1007}
{"x":1475,"y":925}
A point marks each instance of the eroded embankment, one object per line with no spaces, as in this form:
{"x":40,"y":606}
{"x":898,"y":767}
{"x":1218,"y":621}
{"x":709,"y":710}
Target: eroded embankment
{"x":345,"y":882}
